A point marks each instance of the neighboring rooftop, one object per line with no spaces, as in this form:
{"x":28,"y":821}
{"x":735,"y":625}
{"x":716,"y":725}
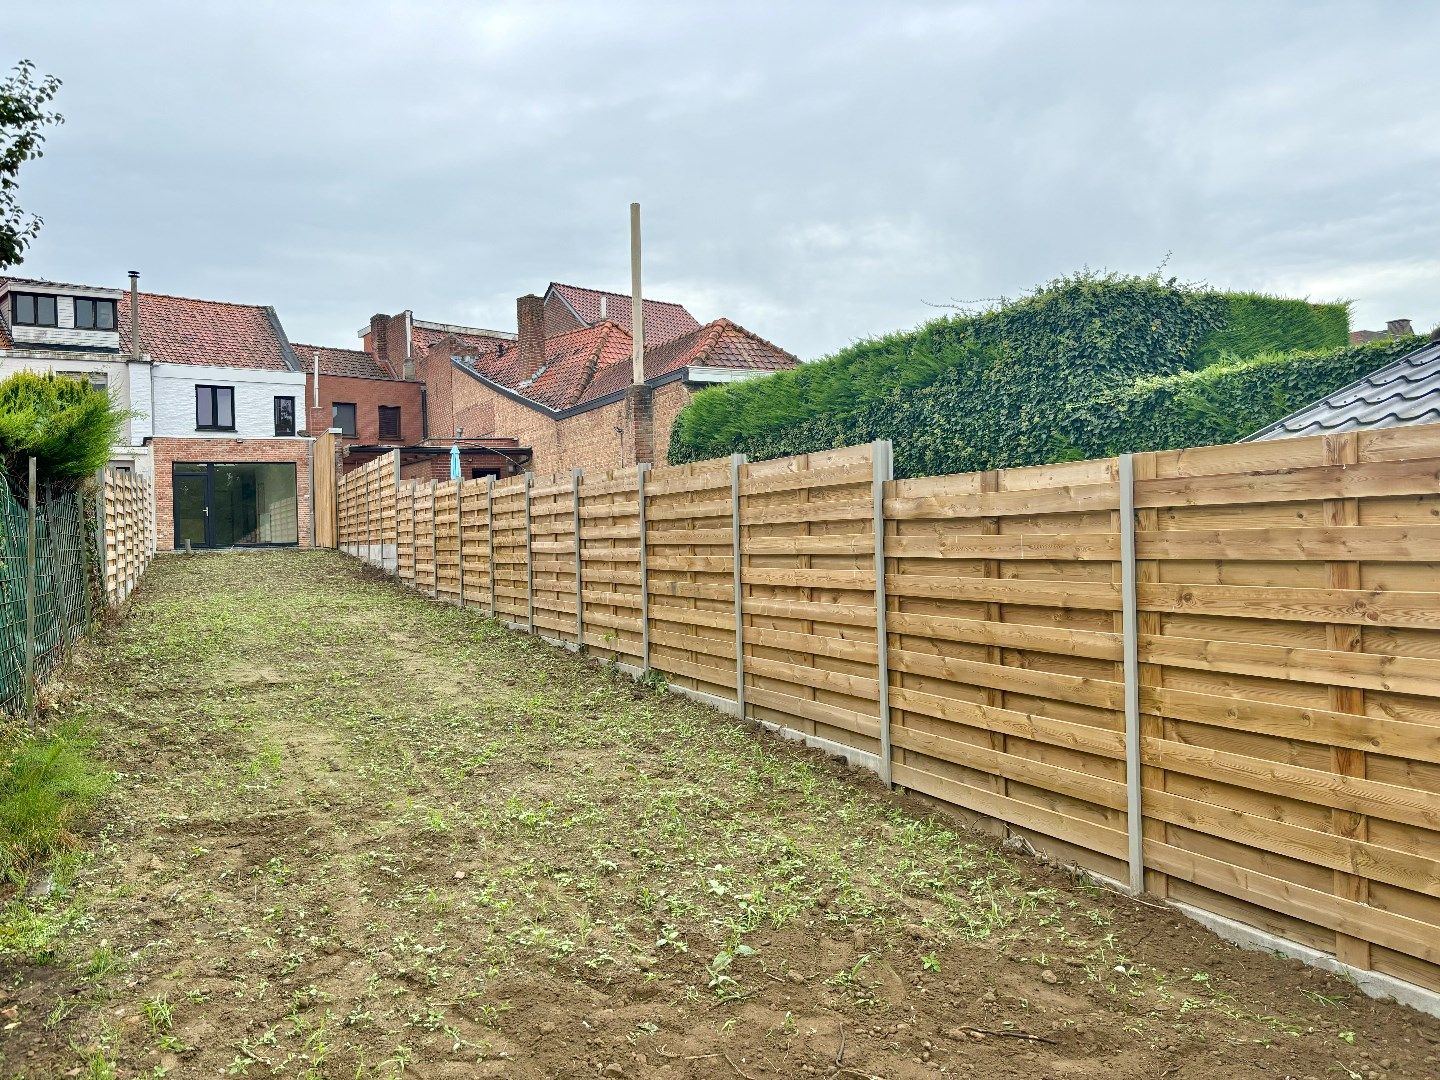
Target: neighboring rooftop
{"x":182,"y":330}
{"x":1402,"y":393}
{"x":351,"y":362}
{"x":664,"y":321}
{"x":594,"y":361}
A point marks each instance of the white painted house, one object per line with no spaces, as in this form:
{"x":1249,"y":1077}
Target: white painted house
{"x":216,"y":393}
{"x":73,"y":330}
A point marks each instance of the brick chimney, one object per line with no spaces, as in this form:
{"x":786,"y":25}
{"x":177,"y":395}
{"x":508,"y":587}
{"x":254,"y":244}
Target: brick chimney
{"x":530,"y":324}
{"x":380,"y":339}
{"x":1399,"y":328}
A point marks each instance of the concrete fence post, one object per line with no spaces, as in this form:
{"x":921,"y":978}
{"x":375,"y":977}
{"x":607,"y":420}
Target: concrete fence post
{"x":883,"y":470}
{"x":737,"y":461}
{"x":1129,"y":608}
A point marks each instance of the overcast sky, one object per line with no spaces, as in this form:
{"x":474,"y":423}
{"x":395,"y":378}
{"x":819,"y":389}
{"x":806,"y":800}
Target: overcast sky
{"x":817,"y":172}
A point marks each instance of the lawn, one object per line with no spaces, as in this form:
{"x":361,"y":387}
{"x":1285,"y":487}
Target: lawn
{"x":354,"y":833}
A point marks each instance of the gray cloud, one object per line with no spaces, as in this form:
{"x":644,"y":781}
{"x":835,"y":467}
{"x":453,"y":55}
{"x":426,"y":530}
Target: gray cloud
{"x":816,"y":171}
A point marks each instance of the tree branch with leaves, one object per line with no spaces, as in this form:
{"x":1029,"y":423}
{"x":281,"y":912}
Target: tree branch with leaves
{"x":24,"y":116}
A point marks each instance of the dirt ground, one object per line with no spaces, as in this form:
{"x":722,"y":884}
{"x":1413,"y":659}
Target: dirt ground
{"x":354,"y":833}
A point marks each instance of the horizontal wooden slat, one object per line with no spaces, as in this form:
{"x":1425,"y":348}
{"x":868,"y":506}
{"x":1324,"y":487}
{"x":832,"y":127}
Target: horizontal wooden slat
{"x":1289,"y":485}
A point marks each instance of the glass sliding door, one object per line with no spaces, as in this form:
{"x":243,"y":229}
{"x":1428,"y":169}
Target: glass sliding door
{"x":192,"y":510}
{"x":236,"y":504}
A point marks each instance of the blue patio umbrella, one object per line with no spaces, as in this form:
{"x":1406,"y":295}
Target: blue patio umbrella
{"x":454,"y":461}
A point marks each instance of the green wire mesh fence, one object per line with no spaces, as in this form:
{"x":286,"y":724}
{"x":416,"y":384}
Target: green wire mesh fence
{"x":45,"y":593}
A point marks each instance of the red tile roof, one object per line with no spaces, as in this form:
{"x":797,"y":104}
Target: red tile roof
{"x":422,"y":337}
{"x":340,"y":361}
{"x":664,"y":321}
{"x":180,"y":330}
{"x":588,"y":364}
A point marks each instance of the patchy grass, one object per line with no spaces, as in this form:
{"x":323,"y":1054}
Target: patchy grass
{"x":46,"y":782}
{"x":356,"y":833}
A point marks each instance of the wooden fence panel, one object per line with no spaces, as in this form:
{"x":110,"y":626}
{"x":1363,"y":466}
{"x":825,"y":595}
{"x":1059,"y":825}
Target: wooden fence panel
{"x":1284,"y":682}
{"x":127,"y":532}
{"x":447,"y":541}
{"x":475,"y":542}
{"x":405,"y":533}
{"x":808,"y":585}
{"x":512,"y":558}
{"x":1005,"y":650}
{"x":610,"y":564}
{"x":552,"y":550}
{"x":690,"y":548}
{"x":1293,"y":762}
{"x":425,"y":538}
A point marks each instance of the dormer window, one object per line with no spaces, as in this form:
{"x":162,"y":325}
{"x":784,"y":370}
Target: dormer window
{"x":30,"y":309}
{"x":94,"y":314}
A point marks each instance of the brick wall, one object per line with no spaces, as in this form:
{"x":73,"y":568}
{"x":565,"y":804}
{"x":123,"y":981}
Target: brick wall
{"x":666,"y":405}
{"x":600,"y":438}
{"x":169,"y":451}
{"x":367,"y":395}
{"x":437,"y":372}
{"x":559,"y":319}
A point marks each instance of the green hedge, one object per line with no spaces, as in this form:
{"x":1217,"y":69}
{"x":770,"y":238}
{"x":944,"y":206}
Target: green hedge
{"x":1023,"y":362}
{"x":1256,"y":324}
{"x":959,"y":424}
{"x":1219,"y":404}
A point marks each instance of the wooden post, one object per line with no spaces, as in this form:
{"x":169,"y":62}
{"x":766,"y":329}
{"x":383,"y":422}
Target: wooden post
{"x":883,"y":469}
{"x":30,"y":599}
{"x":637,"y":304}
{"x":490,"y":535}
{"x":575,"y":476}
{"x":641,"y":471}
{"x":434,"y":550}
{"x":529,"y":562}
{"x":736,"y":461}
{"x":1134,"y":813}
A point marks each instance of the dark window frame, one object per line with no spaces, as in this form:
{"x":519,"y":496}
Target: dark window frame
{"x":34,"y":298}
{"x":96,"y":303}
{"x":279,"y":433}
{"x":390,"y":431}
{"x":214,"y":393}
{"x":335,"y":407}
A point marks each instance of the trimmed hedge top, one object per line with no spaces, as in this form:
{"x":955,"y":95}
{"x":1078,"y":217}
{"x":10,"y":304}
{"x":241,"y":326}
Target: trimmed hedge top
{"x":995,"y":389}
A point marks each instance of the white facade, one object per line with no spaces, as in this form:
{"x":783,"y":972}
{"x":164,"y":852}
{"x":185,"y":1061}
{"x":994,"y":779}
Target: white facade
{"x":255,"y":391}
{"x":64,"y":333}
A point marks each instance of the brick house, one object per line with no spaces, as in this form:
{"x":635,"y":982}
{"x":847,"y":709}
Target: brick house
{"x":561,"y":385}
{"x":231,"y":467}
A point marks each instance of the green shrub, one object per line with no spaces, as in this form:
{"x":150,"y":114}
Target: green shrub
{"x":64,"y":423}
{"x":1019,"y":366}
